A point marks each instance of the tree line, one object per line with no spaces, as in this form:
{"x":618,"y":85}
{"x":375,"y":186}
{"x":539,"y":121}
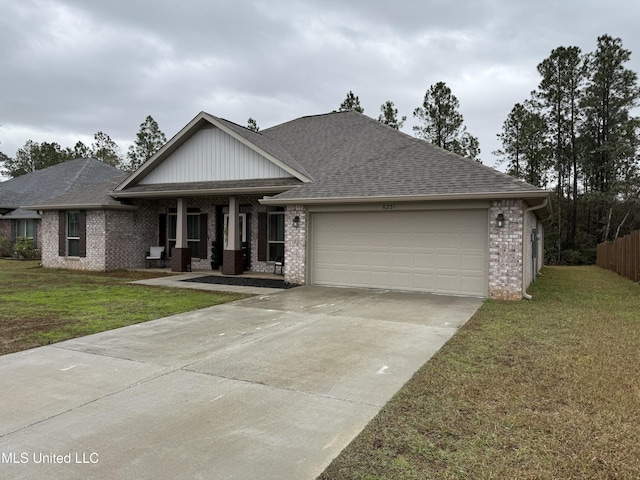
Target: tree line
{"x":576,"y":136}
{"x":34,"y":156}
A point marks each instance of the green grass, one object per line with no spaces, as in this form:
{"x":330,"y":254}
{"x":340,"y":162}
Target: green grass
{"x":40,"y":306}
{"x":542,"y":389}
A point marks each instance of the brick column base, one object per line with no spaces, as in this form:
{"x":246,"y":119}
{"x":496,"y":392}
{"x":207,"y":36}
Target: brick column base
{"x":181,"y":260}
{"x":232,"y":262}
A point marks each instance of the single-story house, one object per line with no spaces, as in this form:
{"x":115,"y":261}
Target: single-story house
{"x":41,"y":185}
{"x":341,"y":198}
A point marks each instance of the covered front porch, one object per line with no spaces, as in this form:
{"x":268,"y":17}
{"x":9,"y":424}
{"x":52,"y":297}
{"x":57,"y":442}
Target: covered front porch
{"x":232,"y":234}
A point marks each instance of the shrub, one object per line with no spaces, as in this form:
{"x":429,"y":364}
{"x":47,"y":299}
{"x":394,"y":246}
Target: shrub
{"x":23,"y":248}
{"x":5,"y":247}
{"x":586,"y":256}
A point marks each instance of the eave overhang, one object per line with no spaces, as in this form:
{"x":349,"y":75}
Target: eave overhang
{"x":533,"y":197}
{"x":80,"y":206}
{"x":205,"y":192}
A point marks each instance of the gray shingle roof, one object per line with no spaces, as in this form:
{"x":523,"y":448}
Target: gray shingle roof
{"x":350,"y":155}
{"x":39,"y":186}
{"x":97,"y":195}
{"x":264,"y":184}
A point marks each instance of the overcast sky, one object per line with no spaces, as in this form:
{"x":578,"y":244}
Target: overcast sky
{"x":70,"y":68}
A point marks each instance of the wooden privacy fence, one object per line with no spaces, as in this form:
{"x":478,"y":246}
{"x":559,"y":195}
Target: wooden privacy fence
{"x":621,"y":255}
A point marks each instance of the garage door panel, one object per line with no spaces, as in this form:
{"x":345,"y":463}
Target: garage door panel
{"x":471,"y":241}
{"x":448,"y":283}
{"x":447,"y":240}
{"x":448,"y":261}
{"x":469,"y":285}
{"x":402,"y":259}
{"x":424,"y":282}
{"x":380,"y":258}
{"x":475,"y":263}
{"x":434,"y":251}
{"x":425,"y":260}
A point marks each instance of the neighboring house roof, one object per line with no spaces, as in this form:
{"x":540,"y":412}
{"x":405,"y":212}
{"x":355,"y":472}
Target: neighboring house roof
{"x":352,"y":157}
{"x":97,"y":196}
{"x":38,"y":187}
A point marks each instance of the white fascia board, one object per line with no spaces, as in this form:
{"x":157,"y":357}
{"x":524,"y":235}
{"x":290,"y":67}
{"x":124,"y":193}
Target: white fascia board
{"x":405,"y":198}
{"x":199,"y":193}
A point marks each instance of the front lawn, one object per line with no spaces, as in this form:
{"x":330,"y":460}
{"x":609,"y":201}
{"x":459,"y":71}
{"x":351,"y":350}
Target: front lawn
{"x":39,"y":306}
{"x":541,"y":389}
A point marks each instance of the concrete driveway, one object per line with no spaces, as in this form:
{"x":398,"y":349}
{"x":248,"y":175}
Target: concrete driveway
{"x":271,"y":387}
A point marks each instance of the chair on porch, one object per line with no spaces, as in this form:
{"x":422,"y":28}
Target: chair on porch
{"x":278,"y":264}
{"x":155,"y":254}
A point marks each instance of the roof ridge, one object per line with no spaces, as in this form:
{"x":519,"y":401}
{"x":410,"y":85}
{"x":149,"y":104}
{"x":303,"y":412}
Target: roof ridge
{"x":306,"y":116}
{"x":235,"y":124}
{"x":83,"y":167}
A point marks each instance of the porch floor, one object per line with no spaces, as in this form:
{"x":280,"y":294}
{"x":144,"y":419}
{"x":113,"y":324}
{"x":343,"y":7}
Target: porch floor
{"x":166,"y":278}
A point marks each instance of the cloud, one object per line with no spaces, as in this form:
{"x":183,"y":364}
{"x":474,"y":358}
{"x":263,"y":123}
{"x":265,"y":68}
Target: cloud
{"x":73,"y":67}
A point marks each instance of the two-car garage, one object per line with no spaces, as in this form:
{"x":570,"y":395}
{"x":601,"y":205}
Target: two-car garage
{"x":439,"y":251}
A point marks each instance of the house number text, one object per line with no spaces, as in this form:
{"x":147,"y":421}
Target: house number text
{"x":388,"y":206}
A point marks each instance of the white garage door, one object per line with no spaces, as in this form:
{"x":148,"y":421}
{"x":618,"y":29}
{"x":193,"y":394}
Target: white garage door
{"x":443,"y":251}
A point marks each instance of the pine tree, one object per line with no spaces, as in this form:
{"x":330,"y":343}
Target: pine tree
{"x":609,"y":130}
{"x":389,"y":115}
{"x":149,"y":140}
{"x":253,"y":125}
{"x":558,"y":96}
{"x":442,"y":124}
{"x":105,"y":149}
{"x":524,"y":145}
{"x":80,"y":150}
{"x":351,"y":102}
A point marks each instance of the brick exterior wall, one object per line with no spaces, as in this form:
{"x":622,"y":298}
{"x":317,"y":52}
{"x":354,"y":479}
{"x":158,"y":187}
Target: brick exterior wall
{"x":505,"y":250}
{"x":95,"y":259}
{"x":118,"y":239}
{"x":295,"y":252}
{"x":5,"y":229}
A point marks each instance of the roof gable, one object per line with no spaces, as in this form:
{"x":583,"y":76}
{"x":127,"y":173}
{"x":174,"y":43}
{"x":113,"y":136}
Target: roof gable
{"x":210,"y":154}
{"x":213,"y":149}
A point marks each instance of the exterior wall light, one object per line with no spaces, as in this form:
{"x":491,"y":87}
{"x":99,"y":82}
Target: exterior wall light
{"x":500,"y":220}
{"x":296,"y":221}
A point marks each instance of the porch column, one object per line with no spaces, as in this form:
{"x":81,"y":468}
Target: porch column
{"x":181,"y":254}
{"x":232,"y":260}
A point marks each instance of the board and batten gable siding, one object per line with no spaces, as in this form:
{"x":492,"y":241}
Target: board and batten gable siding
{"x":211,"y":155}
